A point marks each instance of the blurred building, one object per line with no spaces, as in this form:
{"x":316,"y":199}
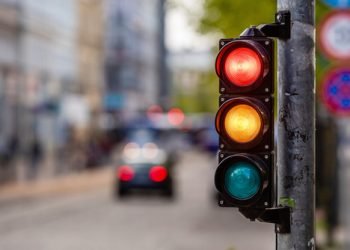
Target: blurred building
{"x":9,"y":66}
{"x":48,"y":52}
{"x":187,"y":67}
{"x":91,"y":50}
{"x":51,"y":55}
{"x":135,"y":55}
{"x":38,"y":50}
{"x":38,"y":57}
{"x":192,"y":85}
{"x":91,"y":57}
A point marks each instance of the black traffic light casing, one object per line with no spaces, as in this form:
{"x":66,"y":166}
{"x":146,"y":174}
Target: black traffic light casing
{"x":259,"y":151}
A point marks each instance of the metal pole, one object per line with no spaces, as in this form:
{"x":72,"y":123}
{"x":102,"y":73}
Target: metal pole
{"x":296,"y":125}
{"x":343,"y":175}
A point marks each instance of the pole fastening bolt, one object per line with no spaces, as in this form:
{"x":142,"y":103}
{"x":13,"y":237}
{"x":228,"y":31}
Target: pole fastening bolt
{"x":279,"y":17}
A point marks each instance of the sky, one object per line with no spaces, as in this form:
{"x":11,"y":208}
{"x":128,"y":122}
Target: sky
{"x":181,"y":34}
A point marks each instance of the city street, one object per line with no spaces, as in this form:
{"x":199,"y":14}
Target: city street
{"x":92,"y":219}
{"x":102,"y":97}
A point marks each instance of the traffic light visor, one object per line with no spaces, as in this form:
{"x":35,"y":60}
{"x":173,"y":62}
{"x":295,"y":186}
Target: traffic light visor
{"x":242,"y":180}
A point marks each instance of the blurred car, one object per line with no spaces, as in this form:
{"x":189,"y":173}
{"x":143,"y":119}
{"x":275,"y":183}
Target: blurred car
{"x":209,"y":140}
{"x":145,"y":164}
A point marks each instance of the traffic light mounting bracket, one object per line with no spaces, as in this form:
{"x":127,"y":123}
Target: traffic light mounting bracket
{"x":280,"y":216}
{"x":281,"y":28}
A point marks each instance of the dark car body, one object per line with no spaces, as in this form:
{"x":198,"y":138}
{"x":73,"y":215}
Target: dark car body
{"x":145,"y":164}
{"x":142,"y":180}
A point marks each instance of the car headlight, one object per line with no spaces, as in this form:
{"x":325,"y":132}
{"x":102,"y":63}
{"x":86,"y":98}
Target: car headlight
{"x":150,"y":150}
{"x":132,"y":150}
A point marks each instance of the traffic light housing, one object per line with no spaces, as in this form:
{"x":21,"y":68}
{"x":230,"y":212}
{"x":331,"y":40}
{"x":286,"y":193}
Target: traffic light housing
{"x":245,"y":121}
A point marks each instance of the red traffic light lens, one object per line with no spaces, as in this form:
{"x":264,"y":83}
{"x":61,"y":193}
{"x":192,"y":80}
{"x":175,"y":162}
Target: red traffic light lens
{"x":243,"y":67}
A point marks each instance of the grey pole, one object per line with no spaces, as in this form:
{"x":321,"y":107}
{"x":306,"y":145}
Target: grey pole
{"x":343,"y":177}
{"x":296,"y":125}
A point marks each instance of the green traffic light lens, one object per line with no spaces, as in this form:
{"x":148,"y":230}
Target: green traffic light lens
{"x":242,"y":180}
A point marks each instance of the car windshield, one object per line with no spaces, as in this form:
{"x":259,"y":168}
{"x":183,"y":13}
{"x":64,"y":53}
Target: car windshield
{"x":144,"y":146}
{"x":142,"y":136}
{"x":168,"y":140}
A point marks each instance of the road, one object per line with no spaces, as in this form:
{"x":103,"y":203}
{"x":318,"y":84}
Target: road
{"x":94,"y":220}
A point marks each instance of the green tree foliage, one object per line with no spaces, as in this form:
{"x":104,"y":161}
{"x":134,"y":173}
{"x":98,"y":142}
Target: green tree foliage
{"x":225,"y":18}
{"x":230,"y":17}
{"x":322,"y":63}
{"x":204,"y":99}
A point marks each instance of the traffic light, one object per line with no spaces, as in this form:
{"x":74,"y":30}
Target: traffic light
{"x":245,"y":121}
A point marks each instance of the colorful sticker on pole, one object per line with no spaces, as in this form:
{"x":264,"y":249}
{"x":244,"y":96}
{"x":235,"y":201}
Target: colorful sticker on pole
{"x":336,"y":91}
{"x":341,"y":4}
{"x":334,"y":35}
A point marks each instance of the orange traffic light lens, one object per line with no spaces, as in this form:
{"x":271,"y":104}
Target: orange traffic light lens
{"x":243,"y":123}
{"x":243,"y":67}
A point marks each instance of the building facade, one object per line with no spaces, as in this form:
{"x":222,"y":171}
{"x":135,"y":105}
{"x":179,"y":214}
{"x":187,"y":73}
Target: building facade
{"x":135,"y":53}
{"x":51,"y":53}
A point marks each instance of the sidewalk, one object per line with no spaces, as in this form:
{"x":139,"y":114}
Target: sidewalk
{"x":72,"y":183}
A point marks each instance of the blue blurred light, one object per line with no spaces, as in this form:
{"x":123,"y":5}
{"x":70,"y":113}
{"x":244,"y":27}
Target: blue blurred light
{"x":346,"y":77}
{"x":242,"y":180}
{"x":345,"y":103}
{"x":338,"y":3}
{"x":333,"y":90}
